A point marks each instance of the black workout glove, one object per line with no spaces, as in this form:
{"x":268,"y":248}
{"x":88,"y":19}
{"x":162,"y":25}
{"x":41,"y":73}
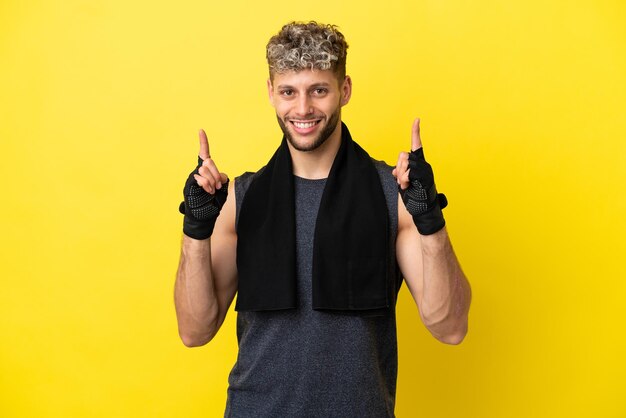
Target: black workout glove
{"x":421,"y":198}
{"x":201,"y":208}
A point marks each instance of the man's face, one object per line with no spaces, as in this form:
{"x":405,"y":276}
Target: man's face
{"x":308,"y":105}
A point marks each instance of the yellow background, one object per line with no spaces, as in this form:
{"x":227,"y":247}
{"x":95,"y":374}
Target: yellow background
{"x":522,"y":106}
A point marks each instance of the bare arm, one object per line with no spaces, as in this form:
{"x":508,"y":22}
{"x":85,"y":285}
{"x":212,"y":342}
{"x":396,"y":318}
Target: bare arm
{"x":435,"y":279}
{"x":206,"y":281}
{"x":428,"y":263}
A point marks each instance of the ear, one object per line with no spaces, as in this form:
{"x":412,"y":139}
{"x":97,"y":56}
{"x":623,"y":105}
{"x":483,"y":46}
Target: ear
{"x":270,"y":90}
{"x":346,"y":90}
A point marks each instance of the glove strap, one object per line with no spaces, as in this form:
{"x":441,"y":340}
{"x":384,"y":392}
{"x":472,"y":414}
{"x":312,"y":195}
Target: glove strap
{"x":431,"y":221}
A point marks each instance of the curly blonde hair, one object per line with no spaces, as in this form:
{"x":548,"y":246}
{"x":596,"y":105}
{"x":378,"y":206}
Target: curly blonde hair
{"x":311,"y":45}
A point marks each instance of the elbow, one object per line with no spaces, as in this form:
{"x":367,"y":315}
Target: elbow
{"x":195,"y":340}
{"x":196,"y":330}
{"x":449,"y":325}
{"x":192,"y":341}
{"x":453,"y":339}
{"x":449,"y":331}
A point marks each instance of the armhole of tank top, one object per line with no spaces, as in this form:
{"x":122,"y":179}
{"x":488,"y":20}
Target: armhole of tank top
{"x":389,"y":187}
{"x":242,"y":183}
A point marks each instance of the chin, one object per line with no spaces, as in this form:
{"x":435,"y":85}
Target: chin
{"x":306,"y":143}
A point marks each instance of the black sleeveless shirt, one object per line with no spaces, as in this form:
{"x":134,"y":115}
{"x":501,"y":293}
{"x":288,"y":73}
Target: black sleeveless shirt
{"x":307,"y":363}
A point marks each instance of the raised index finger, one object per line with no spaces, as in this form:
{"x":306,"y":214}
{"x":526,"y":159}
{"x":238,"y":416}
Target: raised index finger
{"x":204,"y":145}
{"x":416,"y":140}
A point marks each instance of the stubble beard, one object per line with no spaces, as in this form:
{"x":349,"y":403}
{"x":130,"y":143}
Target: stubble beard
{"x":321,"y":138}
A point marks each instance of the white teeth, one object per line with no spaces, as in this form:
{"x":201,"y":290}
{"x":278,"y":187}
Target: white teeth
{"x":304,"y":125}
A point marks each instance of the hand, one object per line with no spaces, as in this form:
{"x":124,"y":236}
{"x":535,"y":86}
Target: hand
{"x":208,"y":176}
{"x":416,"y":184}
{"x":205,"y":192}
{"x":402,"y":170}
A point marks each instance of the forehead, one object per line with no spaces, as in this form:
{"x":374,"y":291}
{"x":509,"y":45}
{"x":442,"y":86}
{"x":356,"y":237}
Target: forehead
{"x":305,"y":78}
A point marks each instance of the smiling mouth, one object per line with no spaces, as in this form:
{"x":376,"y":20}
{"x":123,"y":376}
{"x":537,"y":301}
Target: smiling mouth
{"x":305,"y":124}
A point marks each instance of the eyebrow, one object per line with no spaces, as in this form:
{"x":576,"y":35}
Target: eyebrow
{"x":323,"y":84}
{"x":287,"y":86}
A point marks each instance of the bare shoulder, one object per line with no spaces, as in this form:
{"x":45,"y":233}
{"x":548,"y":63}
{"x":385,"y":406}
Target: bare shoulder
{"x":224,"y":240}
{"x":224,"y":255}
{"x":409,"y":252}
{"x":225,"y":223}
{"x":405,"y":220}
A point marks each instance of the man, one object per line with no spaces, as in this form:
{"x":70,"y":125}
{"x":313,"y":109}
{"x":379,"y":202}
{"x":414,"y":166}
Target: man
{"x":315,"y":244}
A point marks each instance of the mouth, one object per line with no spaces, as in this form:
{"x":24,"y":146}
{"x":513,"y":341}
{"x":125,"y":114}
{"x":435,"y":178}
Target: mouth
{"x":304,"y":126}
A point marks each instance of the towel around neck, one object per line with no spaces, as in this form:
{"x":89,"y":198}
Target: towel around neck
{"x":350,"y":249}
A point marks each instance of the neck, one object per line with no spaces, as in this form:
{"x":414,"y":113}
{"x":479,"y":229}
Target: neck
{"x":316,"y":164}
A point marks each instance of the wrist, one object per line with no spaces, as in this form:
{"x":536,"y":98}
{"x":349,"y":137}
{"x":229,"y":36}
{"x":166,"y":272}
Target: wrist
{"x":196,"y":229}
{"x":430,"y":222}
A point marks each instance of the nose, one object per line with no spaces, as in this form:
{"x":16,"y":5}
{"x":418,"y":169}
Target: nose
{"x":303,"y":106}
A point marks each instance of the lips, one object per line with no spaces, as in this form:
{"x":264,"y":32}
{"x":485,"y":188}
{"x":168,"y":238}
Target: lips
{"x":305,"y":126}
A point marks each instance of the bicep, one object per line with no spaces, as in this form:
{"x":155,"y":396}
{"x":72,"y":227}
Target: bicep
{"x":409,"y":253}
{"x":224,"y":255}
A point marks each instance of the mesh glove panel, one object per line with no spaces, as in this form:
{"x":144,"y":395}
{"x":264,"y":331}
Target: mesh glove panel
{"x":201,"y":208}
{"x":421,"y":198}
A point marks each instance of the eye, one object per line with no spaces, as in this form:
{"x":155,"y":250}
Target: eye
{"x":320,"y":91}
{"x":286,"y":92}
